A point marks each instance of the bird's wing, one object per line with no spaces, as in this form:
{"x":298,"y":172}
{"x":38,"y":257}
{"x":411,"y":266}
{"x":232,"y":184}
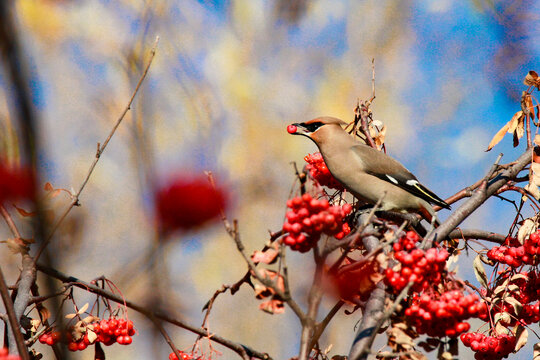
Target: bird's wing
{"x":388,"y":169}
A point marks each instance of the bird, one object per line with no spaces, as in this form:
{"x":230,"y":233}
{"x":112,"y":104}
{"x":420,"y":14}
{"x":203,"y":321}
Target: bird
{"x":370,"y":175}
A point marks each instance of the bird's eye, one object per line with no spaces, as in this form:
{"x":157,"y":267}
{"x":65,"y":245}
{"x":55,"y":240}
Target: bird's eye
{"x":311,"y":127}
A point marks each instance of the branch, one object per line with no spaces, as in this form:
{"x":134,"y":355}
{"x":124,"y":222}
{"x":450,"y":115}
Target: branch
{"x":314,"y":300}
{"x":100,"y":150}
{"x":240,"y":349}
{"x":480,"y":195}
{"x":477,"y":234}
{"x":235,"y":235}
{"x":319,"y":328}
{"x":13,"y":319}
{"x":373,"y":311}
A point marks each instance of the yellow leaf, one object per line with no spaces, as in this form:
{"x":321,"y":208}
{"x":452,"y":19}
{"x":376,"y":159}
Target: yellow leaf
{"x":498,"y":136}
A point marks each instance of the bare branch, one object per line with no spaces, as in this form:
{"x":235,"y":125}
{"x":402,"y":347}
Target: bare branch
{"x":479,"y":197}
{"x":240,"y":349}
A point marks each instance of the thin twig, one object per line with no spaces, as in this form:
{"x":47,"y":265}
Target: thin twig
{"x":163,"y":332}
{"x":9,"y":221}
{"x":100,"y":150}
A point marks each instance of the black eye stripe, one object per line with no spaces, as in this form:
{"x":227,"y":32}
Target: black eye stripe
{"x":311,"y":127}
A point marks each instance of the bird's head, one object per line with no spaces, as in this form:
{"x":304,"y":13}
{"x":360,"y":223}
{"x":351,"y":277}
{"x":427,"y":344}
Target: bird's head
{"x":316,"y":129}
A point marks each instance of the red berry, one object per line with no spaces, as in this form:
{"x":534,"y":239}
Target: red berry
{"x":291,"y":129}
{"x":73,"y":346}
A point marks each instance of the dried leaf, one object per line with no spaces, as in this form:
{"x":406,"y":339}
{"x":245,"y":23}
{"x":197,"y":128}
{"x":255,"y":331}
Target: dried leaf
{"x":44,"y":313}
{"x":533,"y":190}
{"x":379,"y":138}
{"x":513,"y":124}
{"x":529,"y":106}
{"x":480,"y":272}
{"x":89,"y":319}
{"x":262,"y":291}
{"x":502,"y":317}
{"x":531,"y":79}
{"x":23,"y":212}
{"x":18,"y":245}
{"x":500,"y":328}
{"x":536,"y":351}
{"x":70,"y":316}
{"x":35,"y":324}
{"x":515,"y":304}
{"x":267,"y":257}
{"x":92,"y":336}
{"x":499,"y":289}
{"x":519,"y":276}
{"x":521,"y":337}
{"x":527,"y":228}
{"x":498,"y":136}
{"x":537,"y":139}
{"x":83,"y":309}
{"x":446,"y":356}
{"x":520,"y":130}
{"x":48,"y":186}
{"x":274,"y":306}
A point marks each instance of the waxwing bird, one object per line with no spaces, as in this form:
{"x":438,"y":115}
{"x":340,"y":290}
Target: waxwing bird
{"x":367,"y":173}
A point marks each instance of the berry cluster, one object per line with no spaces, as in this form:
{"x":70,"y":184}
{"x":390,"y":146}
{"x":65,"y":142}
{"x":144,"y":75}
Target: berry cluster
{"x":106,"y":331}
{"x":423,"y":268}
{"x":444,"y":314}
{"x":523,"y":288}
{"x":309,"y":218}
{"x":4,"y":355}
{"x":183,"y":355}
{"x":514,"y":254}
{"x":489,"y":347}
{"x":188,"y":202}
{"x":318,"y":170}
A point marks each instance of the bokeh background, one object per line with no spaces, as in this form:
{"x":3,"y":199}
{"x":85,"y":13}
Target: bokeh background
{"x":227,"y":78}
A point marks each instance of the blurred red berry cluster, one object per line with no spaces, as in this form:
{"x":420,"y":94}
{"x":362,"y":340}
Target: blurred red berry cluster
{"x":15,"y":183}
{"x":318,"y":170}
{"x":188,"y":202}
{"x":183,"y":356}
{"x":5,"y":355}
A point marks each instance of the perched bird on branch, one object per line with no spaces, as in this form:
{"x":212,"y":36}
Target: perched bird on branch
{"x":367,"y":173}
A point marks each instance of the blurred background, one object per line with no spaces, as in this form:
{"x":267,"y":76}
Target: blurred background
{"x":227,"y":78}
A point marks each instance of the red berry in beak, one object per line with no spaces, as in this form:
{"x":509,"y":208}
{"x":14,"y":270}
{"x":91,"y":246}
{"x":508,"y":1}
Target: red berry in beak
{"x":291,"y":129}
